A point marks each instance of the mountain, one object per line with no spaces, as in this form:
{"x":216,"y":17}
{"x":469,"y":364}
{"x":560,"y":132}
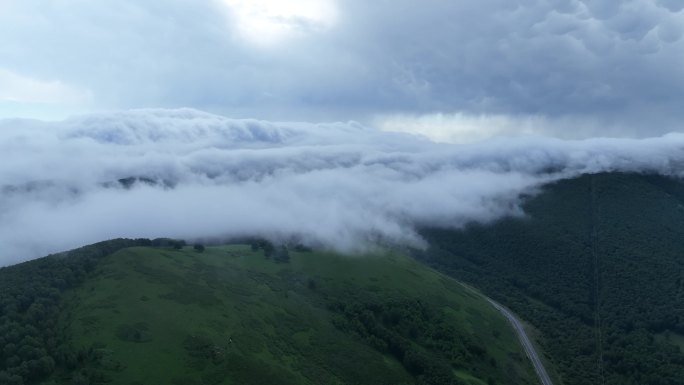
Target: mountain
{"x":158,"y":312}
{"x":596,"y":266}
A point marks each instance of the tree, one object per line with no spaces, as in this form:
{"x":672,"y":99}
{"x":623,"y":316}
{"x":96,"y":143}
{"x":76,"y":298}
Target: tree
{"x":198,"y":247}
{"x":268,"y":249}
{"x":282,"y":255}
{"x":9,"y":379}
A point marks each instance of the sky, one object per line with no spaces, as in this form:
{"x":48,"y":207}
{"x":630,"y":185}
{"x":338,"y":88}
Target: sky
{"x":452,"y":70}
{"x":341,"y":124}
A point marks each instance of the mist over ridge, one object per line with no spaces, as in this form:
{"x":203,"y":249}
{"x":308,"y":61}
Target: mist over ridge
{"x":189,"y":174}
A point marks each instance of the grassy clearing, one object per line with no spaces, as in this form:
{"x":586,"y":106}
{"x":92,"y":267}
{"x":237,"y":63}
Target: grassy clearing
{"x":230,"y":316}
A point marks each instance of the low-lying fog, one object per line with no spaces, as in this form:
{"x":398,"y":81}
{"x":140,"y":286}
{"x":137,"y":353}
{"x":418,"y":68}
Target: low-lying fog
{"x":188,"y":174}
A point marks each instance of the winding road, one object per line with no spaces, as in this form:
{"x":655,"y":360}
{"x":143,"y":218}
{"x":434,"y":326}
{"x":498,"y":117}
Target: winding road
{"x":525,"y":341}
{"x":522,"y":336}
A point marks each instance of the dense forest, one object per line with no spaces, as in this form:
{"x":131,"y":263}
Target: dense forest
{"x":596,"y":265}
{"x":417,"y":334}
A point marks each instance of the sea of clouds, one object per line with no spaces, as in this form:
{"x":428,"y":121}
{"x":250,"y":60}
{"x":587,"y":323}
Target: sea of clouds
{"x":189,"y":174}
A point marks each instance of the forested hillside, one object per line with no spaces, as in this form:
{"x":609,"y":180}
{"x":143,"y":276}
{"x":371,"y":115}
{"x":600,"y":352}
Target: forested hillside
{"x":166,"y":313}
{"x":597,"y":266}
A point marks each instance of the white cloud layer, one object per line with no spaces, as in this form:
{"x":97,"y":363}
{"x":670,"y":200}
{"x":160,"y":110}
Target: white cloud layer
{"x":340,"y":185}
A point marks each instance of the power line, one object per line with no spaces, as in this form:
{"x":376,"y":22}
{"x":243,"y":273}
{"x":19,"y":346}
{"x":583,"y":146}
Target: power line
{"x":597,"y":280}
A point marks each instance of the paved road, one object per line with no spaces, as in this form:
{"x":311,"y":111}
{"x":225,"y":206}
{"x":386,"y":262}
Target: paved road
{"x":525,"y":341}
{"x":522,"y":336}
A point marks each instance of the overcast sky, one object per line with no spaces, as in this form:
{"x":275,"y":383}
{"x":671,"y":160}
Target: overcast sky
{"x":455,"y":70}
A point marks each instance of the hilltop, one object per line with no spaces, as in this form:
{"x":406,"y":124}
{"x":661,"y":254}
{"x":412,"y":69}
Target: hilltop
{"x":129,"y":313}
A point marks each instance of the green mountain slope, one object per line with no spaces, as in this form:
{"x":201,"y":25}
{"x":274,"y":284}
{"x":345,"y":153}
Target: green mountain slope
{"x":596,"y":266}
{"x":228,"y":315}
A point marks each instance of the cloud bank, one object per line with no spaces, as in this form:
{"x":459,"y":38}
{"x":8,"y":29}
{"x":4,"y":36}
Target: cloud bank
{"x":189,"y":174}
